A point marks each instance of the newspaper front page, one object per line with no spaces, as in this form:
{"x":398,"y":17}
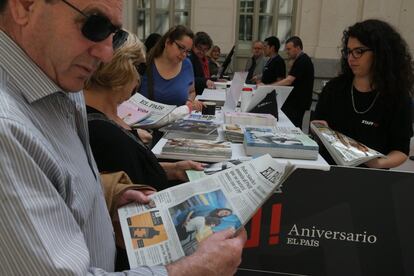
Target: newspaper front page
{"x":180,"y":217}
{"x":157,"y":111}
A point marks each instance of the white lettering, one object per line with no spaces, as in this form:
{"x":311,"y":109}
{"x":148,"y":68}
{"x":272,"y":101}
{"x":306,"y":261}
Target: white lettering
{"x":372,"y":239}
{"x":368,"y":123}
{"x":326,"y":234}
{"x":295,"y":230}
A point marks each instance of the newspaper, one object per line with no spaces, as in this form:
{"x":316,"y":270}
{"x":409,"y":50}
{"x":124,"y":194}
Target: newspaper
{"x":178,"y":218}
{"x":131,"y":113}
{"x":157,"y":111}
{"x":344,"y":150}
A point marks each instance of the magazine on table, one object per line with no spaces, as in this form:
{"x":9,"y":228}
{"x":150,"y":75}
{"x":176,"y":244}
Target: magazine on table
{"x":344,"y":150}
{"x":177,"y":219}
{"x":130,"y":111}
{"x":197,"y":150}
{"x":200,"y":117}
{"x":284,"y":142}
{"x":245,"y":118}
{"x":191,"y":129}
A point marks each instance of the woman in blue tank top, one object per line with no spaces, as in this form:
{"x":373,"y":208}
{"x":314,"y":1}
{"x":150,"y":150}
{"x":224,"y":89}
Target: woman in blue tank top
{"x":169,"y":70}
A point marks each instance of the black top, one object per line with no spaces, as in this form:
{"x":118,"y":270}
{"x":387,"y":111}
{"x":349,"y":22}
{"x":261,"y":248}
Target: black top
{"x":117,"y":149}
{"x":385,"y":127}
{"x":199,"y":78}
{"x":301,"y":96}
{"x":213,"y":67}
{"x":274,"y":69}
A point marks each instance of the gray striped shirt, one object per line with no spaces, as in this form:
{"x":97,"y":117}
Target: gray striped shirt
{"x":54,"y":220}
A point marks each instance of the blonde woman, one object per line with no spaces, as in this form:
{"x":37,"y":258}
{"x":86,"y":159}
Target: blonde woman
{"x":117,"y":147}
{"x":213,"y":63}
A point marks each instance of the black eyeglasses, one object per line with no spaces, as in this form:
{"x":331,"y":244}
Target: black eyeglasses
{"x":97,"y":28}
{"x":356,"y":52}
{"x":182,"y":48}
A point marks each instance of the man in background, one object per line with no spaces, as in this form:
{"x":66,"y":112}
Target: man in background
{"x":256,"y":63}
{"x":54,"y":217}
{"x":275,"y":68}
{"x":301,"y":76}
{"x":201,"y":45}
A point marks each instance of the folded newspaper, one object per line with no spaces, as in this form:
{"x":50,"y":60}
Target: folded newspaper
{"x":179,"y":218}
{"x":344,"y":150}
{"x":132,"y":111}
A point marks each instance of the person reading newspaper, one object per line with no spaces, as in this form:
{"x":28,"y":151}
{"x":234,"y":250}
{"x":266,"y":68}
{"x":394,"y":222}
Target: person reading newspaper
{"x":370,"y":100}
{"x":54,"y":217}
{"x":115,"y":145}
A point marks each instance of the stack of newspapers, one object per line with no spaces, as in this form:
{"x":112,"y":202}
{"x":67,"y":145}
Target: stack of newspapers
{"x":177,"y":219}
{"x":284,"y":142}
{"x":196,"y":149}
{"x":244,"y":118}
{"x":233,"y":133}
{"x":191,"y":129}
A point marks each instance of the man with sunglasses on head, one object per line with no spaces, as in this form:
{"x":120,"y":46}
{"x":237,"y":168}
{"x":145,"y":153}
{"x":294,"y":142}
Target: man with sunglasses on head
{"x":54,"y":217}
{"x":202,"y":44}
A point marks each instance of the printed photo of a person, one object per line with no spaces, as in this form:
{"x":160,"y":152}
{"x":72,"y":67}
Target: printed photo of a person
{"x":200,"y":216}
{"x":280,"y":139}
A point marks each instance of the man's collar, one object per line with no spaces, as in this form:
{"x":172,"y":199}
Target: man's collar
{"x":30,"y":79}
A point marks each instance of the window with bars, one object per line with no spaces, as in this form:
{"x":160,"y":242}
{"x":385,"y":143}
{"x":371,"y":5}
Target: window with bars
{"x":160,"y":15}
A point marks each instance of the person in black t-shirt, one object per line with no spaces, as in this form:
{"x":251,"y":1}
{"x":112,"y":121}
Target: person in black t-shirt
{"x":275,"y":68}
{"x":301,"y":77}
{"x":370,"y":100}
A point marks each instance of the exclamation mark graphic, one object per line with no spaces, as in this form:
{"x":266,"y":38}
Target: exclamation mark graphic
{"x":275,"y":224}
{"x":254,"y":232}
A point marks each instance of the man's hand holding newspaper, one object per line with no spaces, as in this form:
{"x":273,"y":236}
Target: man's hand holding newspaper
{"x":191,"y":227}
{"x":219,"y":254}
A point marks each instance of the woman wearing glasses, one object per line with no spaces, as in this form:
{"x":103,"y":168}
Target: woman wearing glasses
{"x":115,"y":146}
{"x":169,"y":75}
{"x":370,"y":99}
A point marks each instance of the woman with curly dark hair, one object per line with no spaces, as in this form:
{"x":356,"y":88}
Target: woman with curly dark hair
{"x":370,"y":100}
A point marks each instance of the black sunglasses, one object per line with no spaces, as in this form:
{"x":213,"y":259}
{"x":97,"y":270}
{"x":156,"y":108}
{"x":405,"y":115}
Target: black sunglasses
{"x":97,"y":28}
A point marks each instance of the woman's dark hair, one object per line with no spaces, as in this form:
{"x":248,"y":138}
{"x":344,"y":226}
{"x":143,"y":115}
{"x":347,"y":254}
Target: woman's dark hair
{"x":151,"y":40}
{"x":202,"y":38}
{"x":212,"y":220}
{"x":215,"y":212}
{"x":392,"y":66}
{"x":175,"y":33}
{"x":3,"y":4}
